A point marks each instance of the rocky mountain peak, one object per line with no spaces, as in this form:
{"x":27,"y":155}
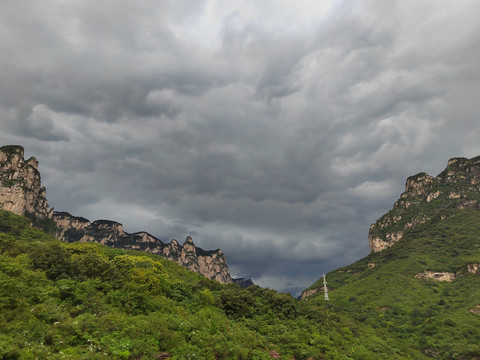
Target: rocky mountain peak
{"x":20,"y":184}
{"x":427,"y":198}
{"x":416,"y":183}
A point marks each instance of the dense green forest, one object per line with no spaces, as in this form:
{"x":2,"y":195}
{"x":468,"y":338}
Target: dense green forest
{"x":87,"y":301}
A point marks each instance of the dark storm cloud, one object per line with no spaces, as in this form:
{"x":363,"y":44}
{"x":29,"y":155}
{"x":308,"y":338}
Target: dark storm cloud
{"x":277,"y":141}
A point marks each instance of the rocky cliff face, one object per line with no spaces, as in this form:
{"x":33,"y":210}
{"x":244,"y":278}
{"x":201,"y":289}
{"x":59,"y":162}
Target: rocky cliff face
{"x":20,"y":185}
{"x":21,"y":193}
{"x":211,"y":264}
{"x":428,"y":198}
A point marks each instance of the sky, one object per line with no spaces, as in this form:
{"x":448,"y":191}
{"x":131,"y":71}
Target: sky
{"x":277,"y":131}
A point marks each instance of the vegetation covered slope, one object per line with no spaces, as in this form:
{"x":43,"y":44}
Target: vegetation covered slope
{"x":87,"y":301}
{"x":428,"y":198}
{"x":388,"y":290}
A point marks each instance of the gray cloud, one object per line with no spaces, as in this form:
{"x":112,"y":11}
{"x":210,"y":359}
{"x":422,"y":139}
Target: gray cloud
{"x":276,"y":134}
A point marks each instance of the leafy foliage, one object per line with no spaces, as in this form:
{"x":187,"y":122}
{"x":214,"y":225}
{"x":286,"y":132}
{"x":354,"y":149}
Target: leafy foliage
{"x":45,"y":224}
{"x":87,"y":301}
{"x":10,"y":150}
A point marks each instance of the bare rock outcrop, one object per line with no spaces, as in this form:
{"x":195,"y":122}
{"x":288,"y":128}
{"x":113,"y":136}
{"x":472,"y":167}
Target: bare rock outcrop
{"x":427,"y":198}
{"x":436,"y":275}
{"x":475,"y":310}
{"x":21,"y":191}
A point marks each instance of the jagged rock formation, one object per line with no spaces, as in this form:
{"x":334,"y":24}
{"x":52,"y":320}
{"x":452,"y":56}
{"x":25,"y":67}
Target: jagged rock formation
{"x":211,"y":264}
{"x":20,"y":184}
{"x":427,"y":198}
{"x":21,"y":193}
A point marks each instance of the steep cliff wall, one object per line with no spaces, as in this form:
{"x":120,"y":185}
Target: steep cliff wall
{"x":20,"y":185}
{"x":428,"y":198}
{"x":211,"y":264}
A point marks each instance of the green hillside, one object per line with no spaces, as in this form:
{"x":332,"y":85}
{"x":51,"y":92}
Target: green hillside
{"x":87,"y":301}
{"x":439,"y":318}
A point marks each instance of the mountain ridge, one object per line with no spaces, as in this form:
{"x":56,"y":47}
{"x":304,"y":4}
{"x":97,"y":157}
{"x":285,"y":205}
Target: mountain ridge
{"x":21,"y":192}
{"x":426,"y":199}
{"x":420,"y":284}
{"x":210,"y":263}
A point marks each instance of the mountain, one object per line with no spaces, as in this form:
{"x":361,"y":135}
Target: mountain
{"x":420,"y":285}
{"x":415,"y":296}
{"x":428,"y":198}
{"x":22,"y":194}
{"x":20,"y":184}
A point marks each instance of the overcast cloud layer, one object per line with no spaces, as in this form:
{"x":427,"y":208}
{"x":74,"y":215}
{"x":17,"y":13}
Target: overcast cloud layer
{"x":277,"y":131}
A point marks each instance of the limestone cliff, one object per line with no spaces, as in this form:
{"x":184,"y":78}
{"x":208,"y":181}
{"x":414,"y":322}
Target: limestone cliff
{"x":20,"y":185}
{"x":211,"y":264}
{"x":21,"y":193}
{"x":428,"y":198}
